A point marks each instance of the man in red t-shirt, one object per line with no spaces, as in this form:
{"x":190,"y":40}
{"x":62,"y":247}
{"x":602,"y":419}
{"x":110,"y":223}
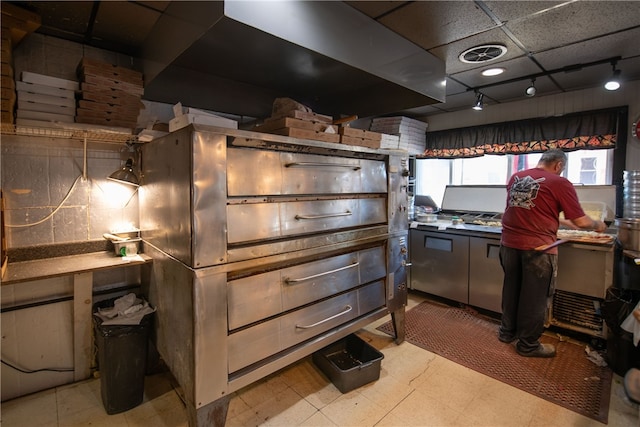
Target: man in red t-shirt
{"x":535,"y":198}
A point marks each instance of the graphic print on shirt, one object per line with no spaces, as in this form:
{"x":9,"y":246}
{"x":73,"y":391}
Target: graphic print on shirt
{"x":523,"y":192}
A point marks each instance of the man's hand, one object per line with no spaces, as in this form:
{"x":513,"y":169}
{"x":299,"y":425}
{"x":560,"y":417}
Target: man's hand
{"x":600,"y":226}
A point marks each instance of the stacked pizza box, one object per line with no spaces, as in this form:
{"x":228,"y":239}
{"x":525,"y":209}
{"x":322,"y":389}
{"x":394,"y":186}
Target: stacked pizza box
{"x":389,"y":142}
{"x":359,"y":137}
{"x":412,"y":132}
{"x":17,"y":23}
{"x":302,"y":124}
{"x":291,"y":118}
{"x":8,"y":84}
{"x":43,"y":99}
{"x":110,"y":95}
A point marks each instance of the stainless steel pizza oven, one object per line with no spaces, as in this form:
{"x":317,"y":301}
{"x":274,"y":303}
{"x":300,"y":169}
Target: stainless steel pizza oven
{"x":266,"y":249}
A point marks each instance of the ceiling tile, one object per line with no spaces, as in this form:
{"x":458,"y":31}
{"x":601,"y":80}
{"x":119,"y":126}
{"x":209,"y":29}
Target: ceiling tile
{"x":509,"y":11}
{"x":582,"y":20}
{"x":375,"y":9}
{"x":125,"y":23}
{"x":432,"y":24}
{"x":454,"y":87}
{"x":72,"y":16}
{"x":624,"y":44}
{"x":514,"y":68}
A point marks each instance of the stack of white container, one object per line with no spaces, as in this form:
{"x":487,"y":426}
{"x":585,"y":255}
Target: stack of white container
{"x":412,"y":132}
{"x":43,"y":99}
{"x":184,"y":116}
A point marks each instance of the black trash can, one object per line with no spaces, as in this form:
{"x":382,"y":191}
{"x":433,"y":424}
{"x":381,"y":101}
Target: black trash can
{"x":122,"y":361}
{"x":622,"y":355}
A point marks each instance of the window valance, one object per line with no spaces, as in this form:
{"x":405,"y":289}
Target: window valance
{"x":576,"y":131}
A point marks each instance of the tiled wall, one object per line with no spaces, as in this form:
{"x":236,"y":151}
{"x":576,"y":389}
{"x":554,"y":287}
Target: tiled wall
{"x":38,"y":174}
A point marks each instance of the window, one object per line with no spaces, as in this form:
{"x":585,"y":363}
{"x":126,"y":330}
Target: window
{"x":587,"y":167}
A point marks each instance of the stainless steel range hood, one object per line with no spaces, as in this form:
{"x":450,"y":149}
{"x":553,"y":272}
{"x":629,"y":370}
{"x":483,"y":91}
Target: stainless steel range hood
{"x":238,"y":56}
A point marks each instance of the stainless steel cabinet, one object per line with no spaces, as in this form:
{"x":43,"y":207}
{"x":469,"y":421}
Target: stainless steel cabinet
{"x":440,"y":264}
{"x":485,"y":274}
{"x":457,"y":267}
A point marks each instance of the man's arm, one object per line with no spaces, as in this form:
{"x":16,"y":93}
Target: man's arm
{"x":586,"y":223}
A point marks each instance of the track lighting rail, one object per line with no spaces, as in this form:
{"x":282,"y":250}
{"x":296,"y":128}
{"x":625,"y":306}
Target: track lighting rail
{"x":567,"y":69}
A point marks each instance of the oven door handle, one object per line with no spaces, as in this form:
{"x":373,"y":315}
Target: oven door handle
{"x":322,"y":216}
{"x":302,"y":279}
{"x":321,"y":164}
{"x":347,"y":309}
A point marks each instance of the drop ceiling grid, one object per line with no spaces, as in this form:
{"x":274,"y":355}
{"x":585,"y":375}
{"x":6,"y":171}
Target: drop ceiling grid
{"x":430,"y":25}
{"x":127,"y":23}
{"x":514,"y":68}
{"x":513,"y":11}
{"x":574,"y":23}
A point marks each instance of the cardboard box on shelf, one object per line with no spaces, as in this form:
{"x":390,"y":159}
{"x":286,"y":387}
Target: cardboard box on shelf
{"x":183,"y":120}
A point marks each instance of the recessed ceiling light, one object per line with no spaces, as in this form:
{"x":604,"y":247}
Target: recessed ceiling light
{"x":493,"y":71}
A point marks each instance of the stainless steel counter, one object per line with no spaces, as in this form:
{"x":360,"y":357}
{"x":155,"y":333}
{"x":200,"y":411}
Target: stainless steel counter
{"x":38,"y":269}
{"x":81,"y":269}
{"x":461,"y":263}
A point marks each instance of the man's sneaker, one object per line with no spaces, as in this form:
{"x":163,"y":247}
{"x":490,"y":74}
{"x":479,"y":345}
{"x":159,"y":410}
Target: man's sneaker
{"x":506,"y":339}
{"x":543,"y":350}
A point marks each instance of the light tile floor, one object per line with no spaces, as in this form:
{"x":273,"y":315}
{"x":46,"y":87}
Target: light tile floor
{"x":416,"y":388}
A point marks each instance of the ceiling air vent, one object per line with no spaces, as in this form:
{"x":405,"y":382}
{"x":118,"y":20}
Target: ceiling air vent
{"x":480,"y":54}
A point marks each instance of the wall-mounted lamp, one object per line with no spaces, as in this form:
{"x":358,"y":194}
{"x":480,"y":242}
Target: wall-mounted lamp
{"x":614,"y":82}
{"x":125,"y":175}
{"x":531,"y":90}
{"x":479,"y":105}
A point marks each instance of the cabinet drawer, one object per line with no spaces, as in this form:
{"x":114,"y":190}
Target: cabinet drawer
{"x":440,"y":264}
{"x":295,"y":173}
{"x":259,"y":221}
{"x":265,"y":339}
{"x":485,"y":274}
{"x":257,"y":297}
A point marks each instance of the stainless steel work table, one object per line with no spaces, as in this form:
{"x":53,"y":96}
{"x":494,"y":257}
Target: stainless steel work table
{"x":81,"y":267}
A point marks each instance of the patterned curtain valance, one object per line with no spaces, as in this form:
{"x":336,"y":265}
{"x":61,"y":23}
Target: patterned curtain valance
{"x":585,"y":130}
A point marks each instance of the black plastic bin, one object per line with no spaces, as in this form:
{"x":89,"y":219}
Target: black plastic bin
{"x":349,"y":363}
{"x":122,"y":361}
{"x":622,"y":355}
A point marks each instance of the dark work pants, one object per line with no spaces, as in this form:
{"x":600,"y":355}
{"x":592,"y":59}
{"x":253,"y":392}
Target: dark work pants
{"x":529,"y":282}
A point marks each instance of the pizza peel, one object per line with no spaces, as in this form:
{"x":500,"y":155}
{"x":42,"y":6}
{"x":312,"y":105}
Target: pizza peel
{"x":558,"y":242}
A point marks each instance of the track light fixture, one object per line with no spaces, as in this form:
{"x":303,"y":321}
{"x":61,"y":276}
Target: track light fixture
{"x":479,"y":105}
{"x":569,"y":68}
{"x":614,"y":82}
{"x":531,"y":90}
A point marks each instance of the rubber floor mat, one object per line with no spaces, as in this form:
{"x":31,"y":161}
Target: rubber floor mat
{"x":461,"y":335}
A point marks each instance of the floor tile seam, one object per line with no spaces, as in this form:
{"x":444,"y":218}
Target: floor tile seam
{"x":69,"y":413}
{"x":57,"y":408}
{"x":428,"y":397}
{"x":157,"y":411}
{"x":447,"y":403}
{"x":272,"y":396}
{"x":372,"y":402}
{"x":318,"y":411}
{"x":532,"y":407}
{"x":313,"y":404}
